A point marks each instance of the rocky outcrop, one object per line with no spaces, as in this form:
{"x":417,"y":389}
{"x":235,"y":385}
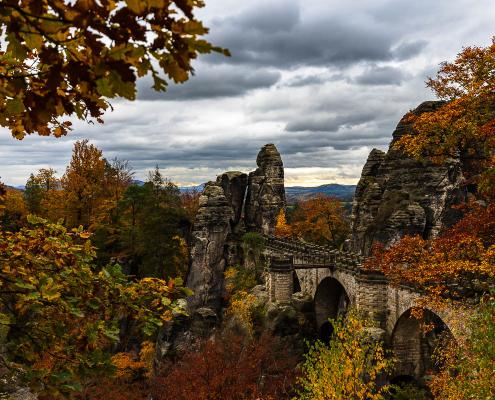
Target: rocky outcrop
{"x":211,"y":229}
{"x":220,"y":224}
{"x":266,"y":194}
{"x":399,"y":196}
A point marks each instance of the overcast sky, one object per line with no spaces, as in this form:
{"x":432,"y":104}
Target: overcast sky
{"x":324,"y":80}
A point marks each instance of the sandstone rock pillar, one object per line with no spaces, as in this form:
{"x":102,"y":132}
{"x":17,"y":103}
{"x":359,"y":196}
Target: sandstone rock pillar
{"x":266,"y":193}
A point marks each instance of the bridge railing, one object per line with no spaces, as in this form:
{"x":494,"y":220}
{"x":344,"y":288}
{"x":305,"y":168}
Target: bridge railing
{"x":308,"y":255}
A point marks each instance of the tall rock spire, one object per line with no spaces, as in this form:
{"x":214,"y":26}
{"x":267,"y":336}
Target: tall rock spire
{"x":266,"y":193}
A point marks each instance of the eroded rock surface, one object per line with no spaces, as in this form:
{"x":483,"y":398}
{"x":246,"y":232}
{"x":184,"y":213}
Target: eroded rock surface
{"x":399,"y":196}
{"x":234,"y":185}
{"x":220,"y":224}
{"x":266,"y":194}
{"x":211,"y":229}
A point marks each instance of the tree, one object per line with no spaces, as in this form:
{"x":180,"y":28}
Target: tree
{"x":62,"y":58}
{"x":282,"y":228}
{"x":190,"y":202}
{"x":321,"y":220}
{"x":38,"y":186}
{"x":348,"y":367}
{"x":229,"y":367}
{"x":83,"y":183}
{"x":63,"y":314}
{"x":118,"y":178}
{"x":14,"y":210}
{"x":457,"y":265}
{"x":465,"y":124}
{"x":163,"y":249}
{"x":3,"y":192}
{"x":106,"y":228}
{"x":468,"y":367}
{"x":153,"y":227}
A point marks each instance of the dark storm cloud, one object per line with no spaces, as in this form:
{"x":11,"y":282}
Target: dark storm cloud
{"x":277,"y":34}
{"x":212,"y":82}
{"x":381,"y":76}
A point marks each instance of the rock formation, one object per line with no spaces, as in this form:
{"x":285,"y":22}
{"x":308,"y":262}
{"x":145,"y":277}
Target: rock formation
{"x":399,"y":196}
{"x":266,"y":194}
{"x":211,"y":229}
{"x":234,"y":185}
{"x":219,"y":223}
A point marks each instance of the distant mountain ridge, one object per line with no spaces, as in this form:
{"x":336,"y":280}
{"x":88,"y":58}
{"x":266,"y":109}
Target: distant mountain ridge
{"x":297,"y":193}
{"x":293,"y":193}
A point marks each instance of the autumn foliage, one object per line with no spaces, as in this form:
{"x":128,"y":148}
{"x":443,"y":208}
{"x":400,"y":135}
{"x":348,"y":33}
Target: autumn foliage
{"x":469,"y":365}
{"x":230,"y":367}
{"x":319,"y":220}
{"x":62,"y":313}
{"x":63,"y":58}
{"x":348,"y":367}
{"x":464,"y":126}
{"x":457,"y":264}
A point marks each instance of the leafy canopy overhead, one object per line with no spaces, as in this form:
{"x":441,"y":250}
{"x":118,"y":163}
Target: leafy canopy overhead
{"x":59,"y":58}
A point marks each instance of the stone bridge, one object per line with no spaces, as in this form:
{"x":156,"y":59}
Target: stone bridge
{"x":336,"y":280}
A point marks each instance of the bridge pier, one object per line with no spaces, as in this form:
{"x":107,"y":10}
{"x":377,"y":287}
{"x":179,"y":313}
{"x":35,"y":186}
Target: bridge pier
{"x":372,"y":297}
{"x":280,"y":280}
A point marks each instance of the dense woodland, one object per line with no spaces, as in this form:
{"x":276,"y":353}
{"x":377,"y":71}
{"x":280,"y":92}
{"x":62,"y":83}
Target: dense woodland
{"x":92,"y":265}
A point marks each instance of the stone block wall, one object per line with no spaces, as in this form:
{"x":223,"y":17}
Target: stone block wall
{"x":280,"y":286}
{"x":372,"y":299}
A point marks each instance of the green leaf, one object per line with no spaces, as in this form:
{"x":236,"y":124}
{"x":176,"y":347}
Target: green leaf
{"x":33,"y":40}
{"x":94,"y":304}
{"x":159,"y":84}
{"x":5,"y":319}
{"x":76,"y":312}
{"x":14,"y":106}
{"x":104,"y":87}
{"x":24,"y":285}
{"x":15,"y":48}
{"x":112,"y":333}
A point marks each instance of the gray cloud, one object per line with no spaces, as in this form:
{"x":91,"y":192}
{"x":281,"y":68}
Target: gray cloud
{"x":278,"y":33}
{"x":212,"y":82}
{"x":329,"y":124}
{"x":375,"y":75}
{"x":323,"y":41}
{"x":407,"y":50}
{"x":324,"y":80}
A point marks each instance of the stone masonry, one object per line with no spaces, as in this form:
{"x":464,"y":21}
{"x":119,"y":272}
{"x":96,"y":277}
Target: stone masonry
{"x":387,"y":305}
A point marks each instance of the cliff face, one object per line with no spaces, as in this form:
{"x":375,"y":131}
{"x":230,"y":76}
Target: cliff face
{"x":398,"y":196}
{"x":220,"y":224}
{"x":211,"y":228}
{"x":266,"y":193}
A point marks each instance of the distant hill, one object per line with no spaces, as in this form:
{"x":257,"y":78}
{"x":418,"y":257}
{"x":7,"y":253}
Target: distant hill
{"x":343,"y":192}
{"x":297,"y":193}
{"x":198,"y":188}
{"x":293,"y":193}
{"x":183,"y":189}
{"x":18,"y":187}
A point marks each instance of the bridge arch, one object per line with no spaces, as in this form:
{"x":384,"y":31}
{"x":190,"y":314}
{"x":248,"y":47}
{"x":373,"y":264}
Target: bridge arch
{"x":414,"y":346}
{"x":330,"y":301}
